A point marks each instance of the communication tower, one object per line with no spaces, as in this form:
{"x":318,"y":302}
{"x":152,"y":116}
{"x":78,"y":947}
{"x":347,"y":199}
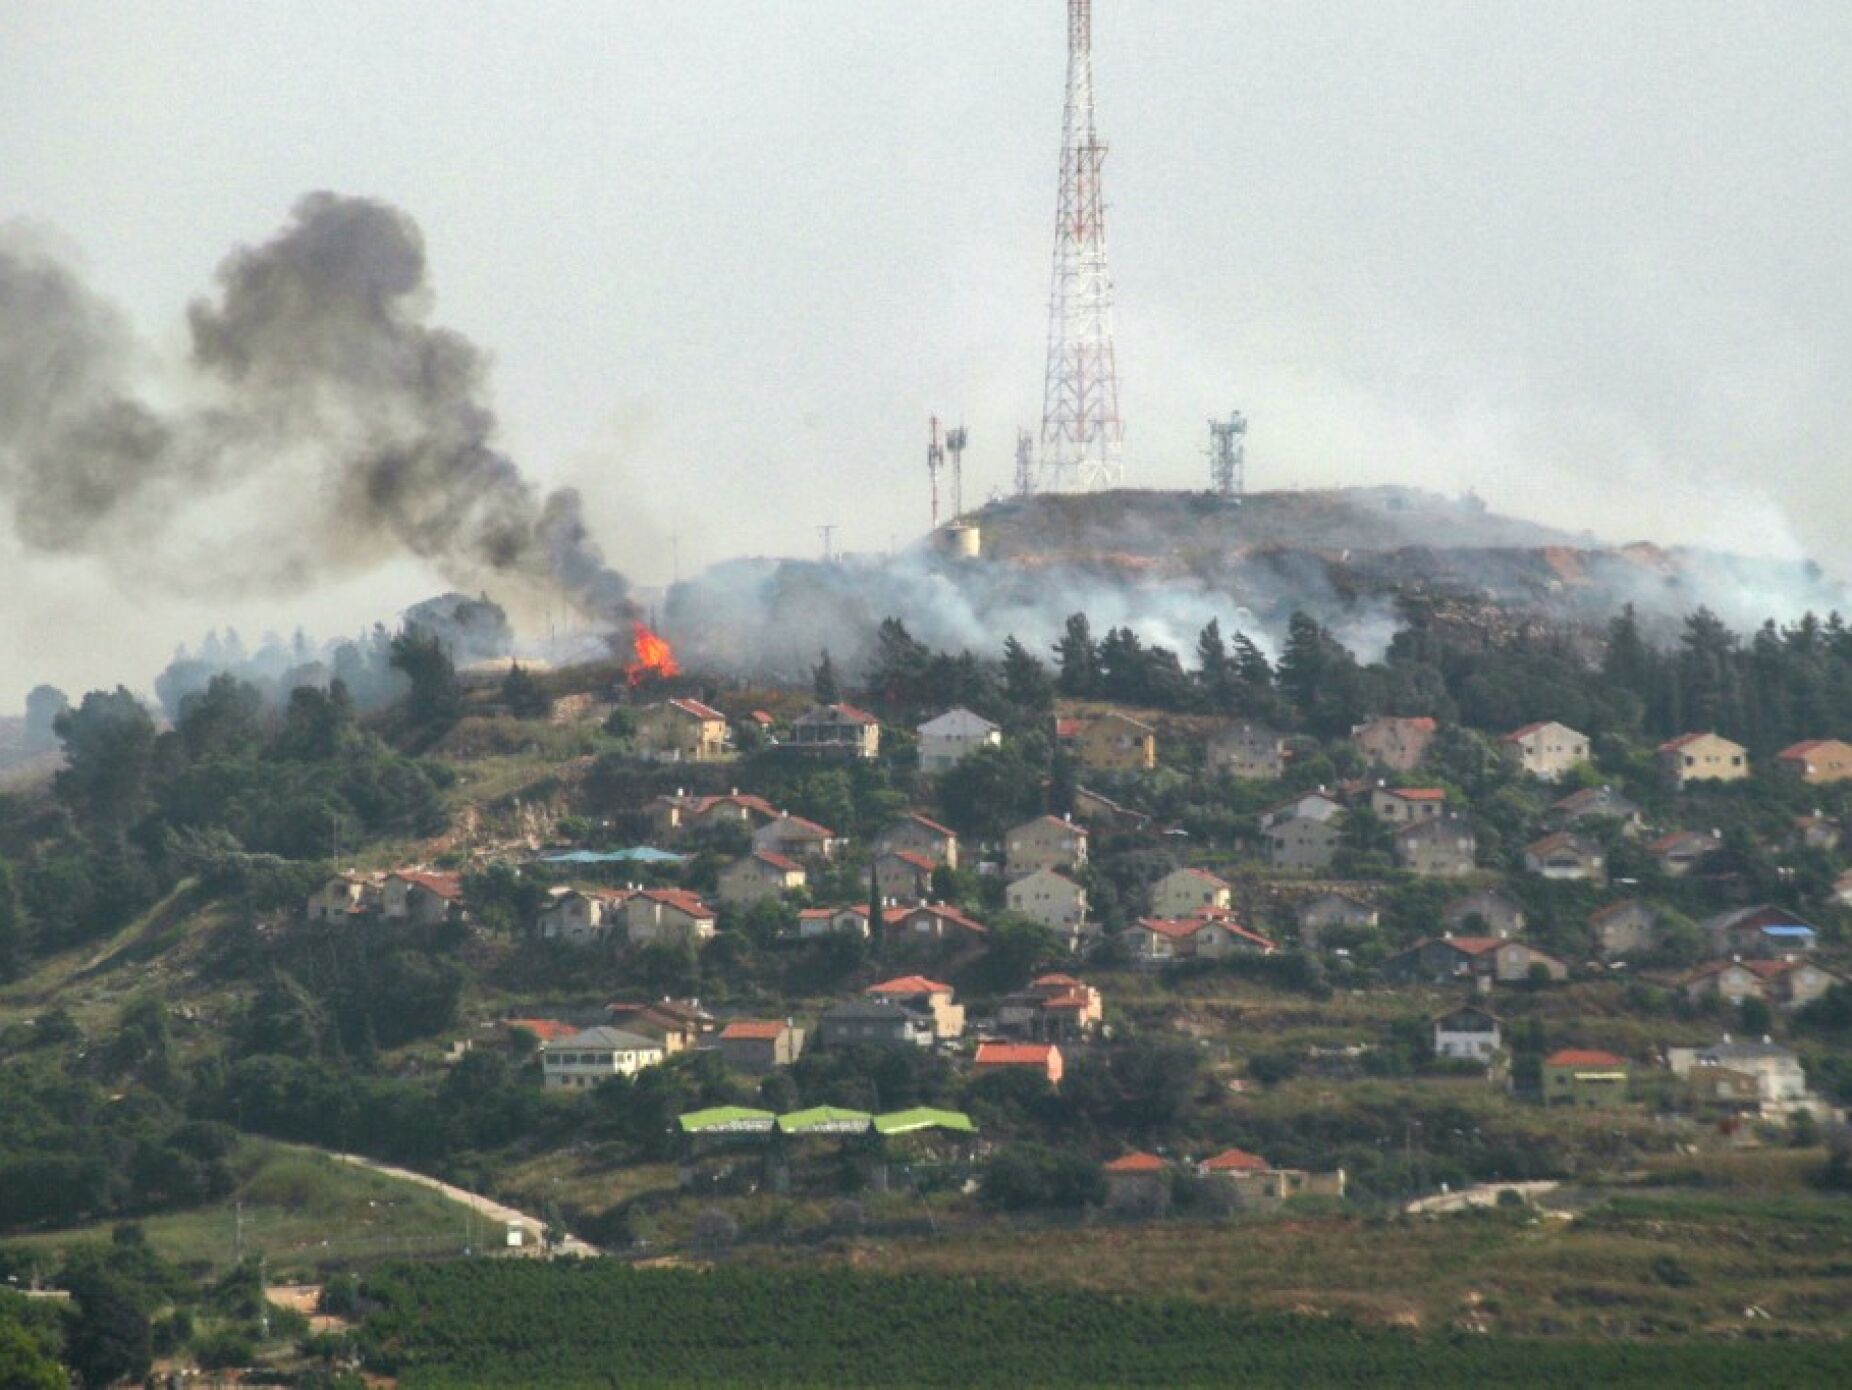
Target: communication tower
{"x":1228,"y":448}
{"x":1025,"y":463}
{"x":1081,"y":429}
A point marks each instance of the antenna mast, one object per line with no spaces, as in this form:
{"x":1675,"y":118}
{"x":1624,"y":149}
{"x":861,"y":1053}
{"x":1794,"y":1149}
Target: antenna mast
{"x":955,"y":446}
{"x":1081,"y":428}
{"x":1025,"y":463}
{"x":1228,"y":449}
{"x":935,"y":460}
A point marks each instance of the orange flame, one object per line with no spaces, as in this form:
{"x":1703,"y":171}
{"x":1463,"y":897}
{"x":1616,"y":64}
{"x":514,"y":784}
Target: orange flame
{"x":654,"y":656}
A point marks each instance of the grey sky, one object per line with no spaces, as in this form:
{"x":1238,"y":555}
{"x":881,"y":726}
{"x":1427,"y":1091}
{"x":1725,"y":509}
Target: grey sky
{"x":1588,"y":259}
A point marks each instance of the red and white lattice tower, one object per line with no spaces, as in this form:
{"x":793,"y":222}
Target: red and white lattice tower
{"x":1081,"y":429}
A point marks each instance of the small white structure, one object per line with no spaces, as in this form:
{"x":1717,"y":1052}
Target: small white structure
{"x":954,"y":736}
{"x":1468,"y":1033}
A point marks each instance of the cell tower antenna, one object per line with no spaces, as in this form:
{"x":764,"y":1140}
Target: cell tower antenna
{"x":1025,"y":463}
{"x":955,"y":446}
{"x":1081,"y":429}
{"x":827,"y":530}
{"x":1228,"y":455}
{"x":935,"y":460}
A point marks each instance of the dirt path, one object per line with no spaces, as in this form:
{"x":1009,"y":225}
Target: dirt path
{"x":531,"y":1227}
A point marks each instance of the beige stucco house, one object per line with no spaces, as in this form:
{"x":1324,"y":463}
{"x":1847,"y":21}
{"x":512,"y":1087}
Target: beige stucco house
{"x":1546,"y":749}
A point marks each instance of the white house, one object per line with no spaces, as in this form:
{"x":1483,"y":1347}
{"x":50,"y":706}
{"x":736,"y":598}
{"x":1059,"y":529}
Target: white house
{"x":597,"y":1054}
{"x":954,"y":736}
{"x":1047,"y":842}
{"x":1050,"y":898}
{"x":1182,"y":891}
{"x":1469,"y":1033}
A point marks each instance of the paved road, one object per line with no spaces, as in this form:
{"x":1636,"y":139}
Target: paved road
{"x":531,"y":1227}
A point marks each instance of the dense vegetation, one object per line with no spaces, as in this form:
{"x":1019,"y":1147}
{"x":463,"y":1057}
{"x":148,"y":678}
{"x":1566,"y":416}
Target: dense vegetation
{"x":570,"y":1325}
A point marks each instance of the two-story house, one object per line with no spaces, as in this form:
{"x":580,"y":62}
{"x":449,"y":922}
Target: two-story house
{"x":1182,"y":891}
{"x":1441,"y":848}
{"x":954,"y":736}
{"x":842,"y":730}
{"x":1054,"y":1008}
{"x":1701,"y":757}
{"x":916,"y":834}
{"x":1407,"y":805}
{"x":797,"y":838}
{"x":667,"y":915}
{"x":1047,"y":842}
{"x":594,"y":1055}
{"x":1485,"y":913}
{"x":682,"y":731}
{"x":1318,"y":915}
{"x":1115,"y":742}
{"x":759,"y":875}
{"x":1816,"y":761}
{"x":932,"y":998}
{"x":1051,"y":898}
{"x":1468,"y":1034}
{"x":1249,"y":750}
{"x":1546,"y":750}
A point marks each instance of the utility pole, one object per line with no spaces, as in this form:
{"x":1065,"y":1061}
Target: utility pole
{"x":827,"y":530}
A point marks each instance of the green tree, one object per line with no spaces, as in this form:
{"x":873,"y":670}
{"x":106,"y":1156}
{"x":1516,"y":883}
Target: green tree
{"x":823,"y":681}
{"x":223,"y":720}
{"x":25,"y":1364}
{"x":1079,"y":658}
{"x":1025,"y":679}
{"x":523,"y":695}
{"x":108,"y":751}
{"x":109,"y":1339}
{"x":14,"y":944}
{"x":436,"y":697}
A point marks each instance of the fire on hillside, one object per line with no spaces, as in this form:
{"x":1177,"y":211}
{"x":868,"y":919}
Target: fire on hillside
{"x":655,"y":657}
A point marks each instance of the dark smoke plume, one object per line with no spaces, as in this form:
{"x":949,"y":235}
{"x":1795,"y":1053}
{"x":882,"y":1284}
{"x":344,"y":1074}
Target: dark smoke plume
{"x":315,"y":389}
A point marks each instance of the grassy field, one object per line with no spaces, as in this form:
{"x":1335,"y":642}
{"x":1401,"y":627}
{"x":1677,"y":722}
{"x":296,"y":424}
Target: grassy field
{"x":1663,"y":1262}
{"x":301,"y":1210}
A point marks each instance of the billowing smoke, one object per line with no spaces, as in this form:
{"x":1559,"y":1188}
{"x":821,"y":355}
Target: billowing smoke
{"x":337,"y":425}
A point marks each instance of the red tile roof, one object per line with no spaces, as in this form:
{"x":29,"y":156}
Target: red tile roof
{"x":777,"y":861}
{"x":1526,"y":731}
{"x":909,"y":984}
{"x":1138,"y":1163}
{"x":753,"y":1030}
{"x":680,"y":899}
{"x":1672,"y":745}
{"x":1174,"y":927}
{"x":918,"y":861}
{"x":1236,"y":1161}
{"x":1583,"y":1057}
{"x":931,"y":825}
{"x":1207,"y":877}
{"x":1069,"y":728}
{"x":698,"y":710}
{"x":812,"y":831}
{"x":1055,"y":981}
{"x":444,"y":885}
{"x":546,"y":1029}
{"x":939,"y":911}
{"x":997,"y":1054}
{"x":1418,"y":793}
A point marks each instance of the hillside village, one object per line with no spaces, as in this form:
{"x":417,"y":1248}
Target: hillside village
{"x":969,"y":942}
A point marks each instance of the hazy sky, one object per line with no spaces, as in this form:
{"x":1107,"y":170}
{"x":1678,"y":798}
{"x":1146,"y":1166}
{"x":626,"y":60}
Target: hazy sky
{"x":1589,"y":259}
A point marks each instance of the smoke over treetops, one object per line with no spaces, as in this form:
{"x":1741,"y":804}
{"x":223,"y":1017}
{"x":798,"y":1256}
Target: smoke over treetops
{"x":316,"y":397}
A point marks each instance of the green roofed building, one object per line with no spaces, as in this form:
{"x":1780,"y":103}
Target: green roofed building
{"x":825,"y":1119}
{"x":924,"y":1117}
{"x":728,"y":1119}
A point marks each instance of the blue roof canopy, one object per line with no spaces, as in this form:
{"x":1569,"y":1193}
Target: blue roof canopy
{"x":643,"y":854}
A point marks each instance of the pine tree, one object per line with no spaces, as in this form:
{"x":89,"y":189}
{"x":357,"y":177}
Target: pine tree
{"x":1079,"y":658}
{"x":823,"y":681}
{"x":1025,"y":680}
